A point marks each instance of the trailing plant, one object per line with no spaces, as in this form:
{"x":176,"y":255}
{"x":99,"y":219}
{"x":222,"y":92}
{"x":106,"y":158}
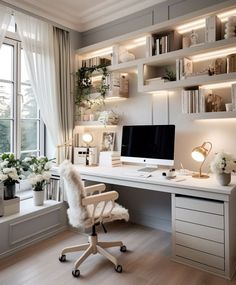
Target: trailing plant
{"x":169,"y":75}
{"x":84,"y":86}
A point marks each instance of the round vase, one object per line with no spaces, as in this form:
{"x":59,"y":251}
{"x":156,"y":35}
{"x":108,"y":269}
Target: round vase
{"x":9,"y":191}
{"x":223,"y":178}
{"x":38,"y":197}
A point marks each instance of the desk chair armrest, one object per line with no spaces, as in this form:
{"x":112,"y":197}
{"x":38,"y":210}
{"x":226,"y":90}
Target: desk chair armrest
{"x":97,"y":198}
{"x":95,"y":188}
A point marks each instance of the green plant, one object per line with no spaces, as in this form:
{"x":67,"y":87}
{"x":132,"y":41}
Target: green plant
{"x":39,"y":171}
{"x":84,"y":86}
{"x":11,"y":169}
{"x":169,"y":75}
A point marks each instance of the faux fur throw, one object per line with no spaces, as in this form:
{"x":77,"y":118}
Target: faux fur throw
{"x":75,"y":193}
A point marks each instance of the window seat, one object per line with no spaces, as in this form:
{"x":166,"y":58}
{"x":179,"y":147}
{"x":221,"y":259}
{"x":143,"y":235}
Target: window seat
{"x":31,"y":224}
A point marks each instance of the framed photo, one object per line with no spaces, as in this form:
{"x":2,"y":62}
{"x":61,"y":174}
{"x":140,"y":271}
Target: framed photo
{"x":108,"y":141}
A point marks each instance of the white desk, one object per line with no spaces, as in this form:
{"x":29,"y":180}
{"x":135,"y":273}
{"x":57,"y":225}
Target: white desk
{"x":203,"y":213}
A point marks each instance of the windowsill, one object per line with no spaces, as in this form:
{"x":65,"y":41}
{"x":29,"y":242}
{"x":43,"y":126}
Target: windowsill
{"x":27,"y":208}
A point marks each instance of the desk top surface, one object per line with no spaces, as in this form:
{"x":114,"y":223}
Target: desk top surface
{"x":129,"y":176}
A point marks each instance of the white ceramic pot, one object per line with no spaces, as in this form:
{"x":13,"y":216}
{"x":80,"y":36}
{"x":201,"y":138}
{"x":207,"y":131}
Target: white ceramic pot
{"x":223,"y":178}
{"x":38,"y":197}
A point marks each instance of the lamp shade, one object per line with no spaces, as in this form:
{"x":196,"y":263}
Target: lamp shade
{"x":87,"y":138}
{"x":200,"y":154}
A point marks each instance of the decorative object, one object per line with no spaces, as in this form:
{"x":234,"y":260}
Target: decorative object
{"x":186,"y":41}
{"x":11,"y":172}
{"x":39,"y":176}
{"x":108,"y":118}
{"x":126,"y":56}
{"x":229,"y":107}
{"x":230,"y":27}
{"x":108,"y":141}
{"x":222,"y":165}
{"x":214,"y":103}
{"x":193,"y":38}
{"x":231,"y":63}
{"x":84,"y":83}
{"x":87,"y":138}
{"x":200,"y":154}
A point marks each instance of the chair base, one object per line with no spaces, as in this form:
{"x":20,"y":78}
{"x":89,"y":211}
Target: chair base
{"x":92,"y":247}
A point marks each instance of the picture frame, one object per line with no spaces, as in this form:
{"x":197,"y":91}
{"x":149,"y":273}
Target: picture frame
{"x":108,"y":141}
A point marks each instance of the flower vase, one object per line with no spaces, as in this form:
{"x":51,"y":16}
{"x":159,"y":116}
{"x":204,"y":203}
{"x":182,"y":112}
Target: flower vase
{"x":9,"y":191}
{"x":223,"y":178}
{"x":38,"y":197}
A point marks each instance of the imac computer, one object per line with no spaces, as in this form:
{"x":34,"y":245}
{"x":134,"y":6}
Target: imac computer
{"x":151,"y":145}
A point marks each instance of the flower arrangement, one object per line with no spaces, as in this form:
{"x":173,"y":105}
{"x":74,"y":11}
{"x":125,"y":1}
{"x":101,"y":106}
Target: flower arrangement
{"x":11,"y":169}
{"x":39,"y":171}
{"x":223,"y":163}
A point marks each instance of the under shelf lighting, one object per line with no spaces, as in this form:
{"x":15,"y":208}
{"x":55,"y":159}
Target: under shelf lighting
{"x":225,"y":15}
{"x":195,"y":25}
{"x":213,"y":54}
{"x":101,"y":52}
{"x":218,"y":85}
{"x":136,"y":43}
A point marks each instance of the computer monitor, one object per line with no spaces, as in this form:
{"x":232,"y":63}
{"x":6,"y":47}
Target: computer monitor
{"x":152,"y":145}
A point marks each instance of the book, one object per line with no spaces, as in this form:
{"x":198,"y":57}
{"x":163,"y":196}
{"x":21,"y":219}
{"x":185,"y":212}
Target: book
{"x":233,"y":96}
{"x":149,"y":45}
{"x":213,"y":29}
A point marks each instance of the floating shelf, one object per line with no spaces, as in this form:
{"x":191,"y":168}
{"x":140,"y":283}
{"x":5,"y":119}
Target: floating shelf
{"x":210,"y":115}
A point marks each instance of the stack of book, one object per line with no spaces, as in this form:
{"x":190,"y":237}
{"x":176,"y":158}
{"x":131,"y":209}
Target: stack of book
{"x":94,"y":61}
{"x":167,"y":42}
{"x":213,"y":29}
{"x":193,"y":101}
{"x":184,"y":68}
{"x":109,"y":159}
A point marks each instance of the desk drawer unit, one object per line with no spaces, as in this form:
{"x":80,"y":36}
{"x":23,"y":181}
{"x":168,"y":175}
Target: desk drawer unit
{"x":199,"y":232}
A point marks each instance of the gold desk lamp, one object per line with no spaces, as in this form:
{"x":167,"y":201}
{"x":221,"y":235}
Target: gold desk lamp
{"x":200,"y":154}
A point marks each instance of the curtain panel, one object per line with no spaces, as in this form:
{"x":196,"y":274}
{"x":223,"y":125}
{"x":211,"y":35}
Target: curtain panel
{"x":37,"y":42}
{"x":5,"y":18}
{"x":65,"y":106}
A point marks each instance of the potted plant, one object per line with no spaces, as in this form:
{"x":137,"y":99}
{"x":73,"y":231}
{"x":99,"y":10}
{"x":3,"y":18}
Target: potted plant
{"x":39,"y":168}
{"x":11,"y":172}
{"x":222,"y":165}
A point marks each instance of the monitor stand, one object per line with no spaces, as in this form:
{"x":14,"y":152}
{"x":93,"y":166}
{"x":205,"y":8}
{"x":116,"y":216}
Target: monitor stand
{"x":148,"y":169}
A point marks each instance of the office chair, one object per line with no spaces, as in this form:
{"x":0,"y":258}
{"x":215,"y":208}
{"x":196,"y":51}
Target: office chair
{"x":87,"y":209}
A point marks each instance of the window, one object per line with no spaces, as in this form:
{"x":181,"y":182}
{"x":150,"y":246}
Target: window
{"x":20,"y":125}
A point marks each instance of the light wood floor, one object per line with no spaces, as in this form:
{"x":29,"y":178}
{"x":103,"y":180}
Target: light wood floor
{"x":147,"y":262}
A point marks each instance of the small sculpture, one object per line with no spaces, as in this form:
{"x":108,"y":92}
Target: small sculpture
{"x":214,"y":103}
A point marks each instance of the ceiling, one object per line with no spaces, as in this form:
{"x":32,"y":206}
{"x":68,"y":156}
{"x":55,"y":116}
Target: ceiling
{"x":82,"y":15}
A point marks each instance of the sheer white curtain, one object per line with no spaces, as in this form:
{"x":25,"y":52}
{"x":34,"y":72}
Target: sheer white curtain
{"x":5,"y":18}
{"x":37,"y":42}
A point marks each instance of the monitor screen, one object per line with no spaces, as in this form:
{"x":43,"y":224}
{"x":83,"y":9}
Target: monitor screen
{"x":150,"y":144}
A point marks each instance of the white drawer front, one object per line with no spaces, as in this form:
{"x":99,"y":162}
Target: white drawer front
{"x":200,"y":205}
{"x":204,"y":245}
{"x":200,"y":231}
{"x":201,"y":257}
{"x":200,"y":218}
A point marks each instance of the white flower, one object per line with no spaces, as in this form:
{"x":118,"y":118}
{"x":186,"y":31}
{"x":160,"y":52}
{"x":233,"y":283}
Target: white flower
{"x":3,"y":177}
{"x":27,"y":159}
{"x":48,"y":165}
{"x":46,"y":175}
{"x":223,"y":163}
{"x":6,"y":170}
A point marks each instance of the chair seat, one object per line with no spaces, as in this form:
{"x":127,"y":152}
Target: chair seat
{"x":117,"y":213}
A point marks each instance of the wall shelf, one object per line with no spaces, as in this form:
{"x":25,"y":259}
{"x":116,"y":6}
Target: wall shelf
{"x":210,"y":115}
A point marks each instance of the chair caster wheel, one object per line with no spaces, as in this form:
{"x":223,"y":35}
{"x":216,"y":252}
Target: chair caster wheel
{"x":62,"y":258}
{"x":76,"y":273}
{"x":123,"y":248}
{"x":118,"y":268}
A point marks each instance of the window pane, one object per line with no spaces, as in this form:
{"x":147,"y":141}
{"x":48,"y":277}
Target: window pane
{"x":6,"y":59}
{"x":6,"y":97}
{"x":29,"y":106}
{"x":5,"y":137}
{"x":24,"y":74}
{"x":29,"y":135}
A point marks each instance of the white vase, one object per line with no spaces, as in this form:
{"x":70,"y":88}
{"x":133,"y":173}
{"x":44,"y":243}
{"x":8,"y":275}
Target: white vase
{"x":223,"y":178}
{"x":38,"y":197}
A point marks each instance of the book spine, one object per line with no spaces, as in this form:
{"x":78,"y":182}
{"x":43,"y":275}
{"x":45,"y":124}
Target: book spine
{"x":233,"y":96}
{"x":157,"y":46}
{"x":177,"y":69}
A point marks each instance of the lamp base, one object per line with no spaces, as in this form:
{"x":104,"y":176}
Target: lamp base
{"x":200,"y":176}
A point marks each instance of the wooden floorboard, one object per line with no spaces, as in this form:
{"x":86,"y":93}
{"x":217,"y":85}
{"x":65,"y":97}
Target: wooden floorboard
{"x":147,"y":262}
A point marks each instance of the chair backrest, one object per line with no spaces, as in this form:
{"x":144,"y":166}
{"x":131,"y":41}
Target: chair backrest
{"x":74,"y":188}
